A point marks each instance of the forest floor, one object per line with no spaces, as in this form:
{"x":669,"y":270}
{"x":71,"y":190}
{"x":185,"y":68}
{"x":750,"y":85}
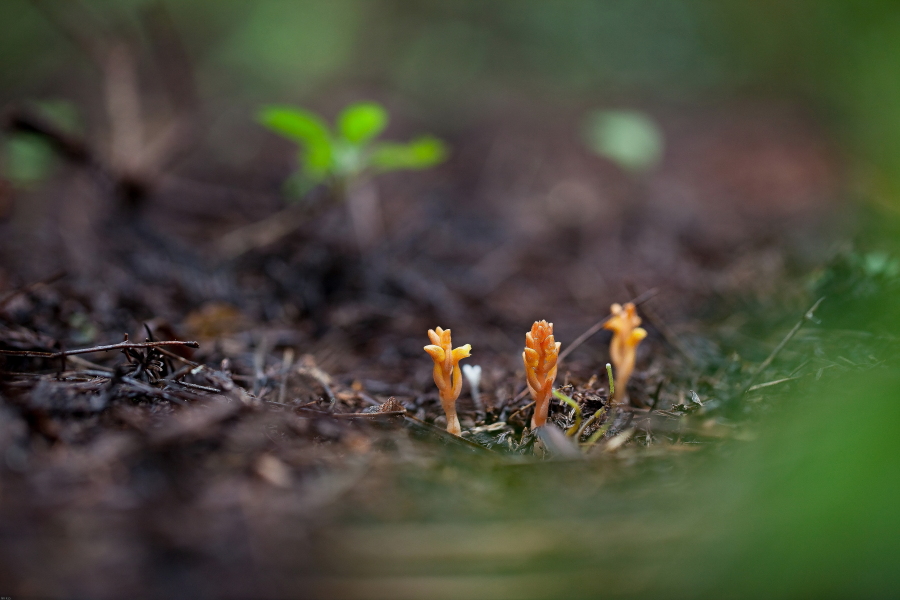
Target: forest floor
{"x":298,"y":448}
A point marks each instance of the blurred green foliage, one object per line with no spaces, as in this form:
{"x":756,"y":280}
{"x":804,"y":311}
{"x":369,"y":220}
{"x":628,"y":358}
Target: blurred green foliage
{"x":28,"y":159}
{"x":350,"y":151}
{"x":852,"y":282}
{"x":629,"y":138}
{"x":446,"y":58}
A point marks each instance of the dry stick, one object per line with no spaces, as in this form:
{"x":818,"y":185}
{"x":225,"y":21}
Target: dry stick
{"x":660,"y":325}
{"x":760,"y":386}
{"x":808,"y":315}
{"x":518,"y":410}
{"x":119,"y":346}
{"x":152,"y":391}
{"x":76,"y":360}
{"x":193,"y":386}
{"x":317,"y":375}
{"x":638,"y":300}
{"x":226,"y":381}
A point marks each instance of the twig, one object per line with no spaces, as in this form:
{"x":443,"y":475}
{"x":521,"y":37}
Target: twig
{"x":193,"y":386}
{"x":759,"y":386}
{"x":638,"y":300}
{"x":90,"y":365}
{"x":660,"y":325}
{"x":151,"y":391}
{"x":186,"y":361}
{"x":119,"y":346}
{"x":372,"y":415}
{"x":311,"y":370}
{"x":518,"y":410}
{"x":808,"y":315}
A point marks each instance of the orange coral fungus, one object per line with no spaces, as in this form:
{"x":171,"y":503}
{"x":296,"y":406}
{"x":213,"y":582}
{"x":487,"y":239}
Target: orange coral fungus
{"x":540,"y":356}
{"x":447,"y":375}
{"x":626,"y":337}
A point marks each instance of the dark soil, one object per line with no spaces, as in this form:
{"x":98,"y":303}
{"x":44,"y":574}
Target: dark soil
{"x":235,"y":469}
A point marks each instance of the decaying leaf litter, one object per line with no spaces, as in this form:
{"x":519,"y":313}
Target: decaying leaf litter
{"x":308,"y":399}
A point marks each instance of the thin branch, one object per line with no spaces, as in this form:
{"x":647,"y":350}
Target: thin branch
{"x":807,"y":316}
{"x":119,"y":346}
{"x":759,"y":386}
{"x":520,"y":409}
{"x":638,"y":300}
{"x":661,"y":326}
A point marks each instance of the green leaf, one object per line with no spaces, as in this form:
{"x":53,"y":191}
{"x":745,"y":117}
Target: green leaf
{"x":361,"y":122}
{"x":420,"y":153}
{"x":306,"y":128}
{"x":629,"y":138}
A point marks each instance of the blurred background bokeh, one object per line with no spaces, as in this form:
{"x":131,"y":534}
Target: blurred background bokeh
{"x":767,"y":122}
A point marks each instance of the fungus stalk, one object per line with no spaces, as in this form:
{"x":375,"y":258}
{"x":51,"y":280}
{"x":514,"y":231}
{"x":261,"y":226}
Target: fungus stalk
{"x":627,"y":334}
{"x":447,"y":374}
{"x":540,"y":356}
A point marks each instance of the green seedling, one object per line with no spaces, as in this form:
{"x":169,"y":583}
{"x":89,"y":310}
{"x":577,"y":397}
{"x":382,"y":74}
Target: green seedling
{"x":342,"y":156}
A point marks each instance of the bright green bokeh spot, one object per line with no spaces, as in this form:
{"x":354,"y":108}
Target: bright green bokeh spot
{"x":361,"y":122}
{"x":627,"y":137}
{"x":420,"y":153}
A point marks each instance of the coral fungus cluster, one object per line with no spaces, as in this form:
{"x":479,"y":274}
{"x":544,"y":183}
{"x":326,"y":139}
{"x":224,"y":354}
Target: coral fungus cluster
{"x":447,"y":375}
{"x":624,"y":323}
{"x":540,"y":357}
